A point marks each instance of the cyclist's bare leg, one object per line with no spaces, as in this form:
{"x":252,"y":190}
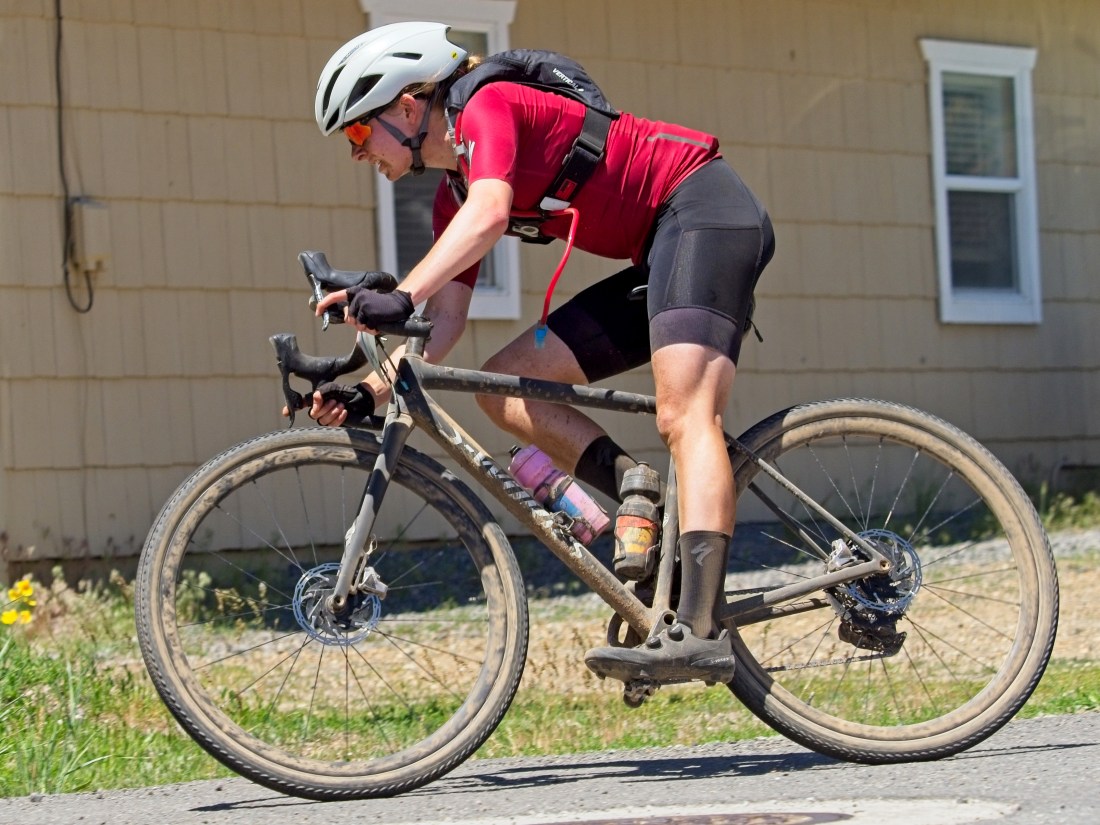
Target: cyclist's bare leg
{"x":560,"y":431}
{"x":693,"y":386}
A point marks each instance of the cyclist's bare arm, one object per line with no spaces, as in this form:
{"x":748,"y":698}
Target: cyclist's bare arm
{"x":479,"y":223}
{"x":476,"y":227}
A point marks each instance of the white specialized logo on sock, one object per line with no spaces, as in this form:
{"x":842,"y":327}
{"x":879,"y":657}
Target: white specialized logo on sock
{"x":700,"y":551}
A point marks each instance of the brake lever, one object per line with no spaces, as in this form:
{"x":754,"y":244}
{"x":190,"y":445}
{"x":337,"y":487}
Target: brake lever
{"x":315,"y":369}
{"x":295,"y":401}
{"x":333,"y":313}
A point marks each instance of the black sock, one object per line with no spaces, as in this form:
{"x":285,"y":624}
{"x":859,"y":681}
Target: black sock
{"x":602,"y":466}
{"x":703,"y":556}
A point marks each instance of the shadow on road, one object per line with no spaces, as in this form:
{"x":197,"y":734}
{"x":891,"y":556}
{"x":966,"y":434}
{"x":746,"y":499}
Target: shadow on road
{"x":478,"y":776}
{"x":581,"y":769}
{"x":496,"y":774}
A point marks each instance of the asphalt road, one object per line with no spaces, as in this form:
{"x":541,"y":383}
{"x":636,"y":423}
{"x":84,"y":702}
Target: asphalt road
{"x":1032,"y":771}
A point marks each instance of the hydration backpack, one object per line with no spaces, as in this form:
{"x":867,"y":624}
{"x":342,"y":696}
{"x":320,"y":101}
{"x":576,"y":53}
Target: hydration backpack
{"x":549,"y":72}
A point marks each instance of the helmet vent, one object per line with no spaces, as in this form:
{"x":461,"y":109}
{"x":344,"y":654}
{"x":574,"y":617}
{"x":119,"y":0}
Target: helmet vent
{"x":361,"y":87}
{"x":408,"y":55}
{"x":328,"y":89}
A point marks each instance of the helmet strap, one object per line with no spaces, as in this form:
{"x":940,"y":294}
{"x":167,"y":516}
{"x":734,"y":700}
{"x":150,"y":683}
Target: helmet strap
{"x":414,"y":142}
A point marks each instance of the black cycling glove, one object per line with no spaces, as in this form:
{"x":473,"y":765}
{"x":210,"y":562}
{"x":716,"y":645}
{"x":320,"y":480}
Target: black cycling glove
{"x":382,"y":281}
{"x":357,"y":400}
{"x":371,"y":308}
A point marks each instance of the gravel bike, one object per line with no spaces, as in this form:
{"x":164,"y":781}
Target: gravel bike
{"x":335,"y":614}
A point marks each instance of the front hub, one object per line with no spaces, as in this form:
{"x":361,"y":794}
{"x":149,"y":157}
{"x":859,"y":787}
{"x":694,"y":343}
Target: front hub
{"x":313,"y":611}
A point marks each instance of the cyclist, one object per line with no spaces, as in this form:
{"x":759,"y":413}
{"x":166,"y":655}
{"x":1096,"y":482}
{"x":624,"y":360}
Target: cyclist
{"x":661,"y":197}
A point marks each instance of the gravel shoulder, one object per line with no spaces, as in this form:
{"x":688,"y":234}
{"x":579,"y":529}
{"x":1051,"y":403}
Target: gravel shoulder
{"x":562,"y":628}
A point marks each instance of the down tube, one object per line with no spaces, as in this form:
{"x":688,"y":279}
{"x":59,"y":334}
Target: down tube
{"x":574,"y":555}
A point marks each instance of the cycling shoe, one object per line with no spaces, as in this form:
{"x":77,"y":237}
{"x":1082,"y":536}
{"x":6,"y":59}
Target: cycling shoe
{"x":673,"y":655}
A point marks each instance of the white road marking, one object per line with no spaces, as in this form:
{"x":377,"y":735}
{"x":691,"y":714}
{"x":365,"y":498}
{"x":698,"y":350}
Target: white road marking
{"x":847,"y":811}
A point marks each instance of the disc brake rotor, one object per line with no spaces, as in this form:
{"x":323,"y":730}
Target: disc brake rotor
{"x":315,"y":617}
{"x":884,"y":596}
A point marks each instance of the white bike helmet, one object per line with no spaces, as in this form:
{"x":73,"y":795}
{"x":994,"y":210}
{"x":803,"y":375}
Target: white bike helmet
{"x":368,"y":73}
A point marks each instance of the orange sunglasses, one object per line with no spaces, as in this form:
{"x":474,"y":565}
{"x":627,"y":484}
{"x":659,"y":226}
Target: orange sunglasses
{"x":357,"y":132}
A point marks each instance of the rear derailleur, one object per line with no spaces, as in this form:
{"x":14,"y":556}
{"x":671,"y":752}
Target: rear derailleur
{"x":870,"y":608}
{"x":881,"y":638}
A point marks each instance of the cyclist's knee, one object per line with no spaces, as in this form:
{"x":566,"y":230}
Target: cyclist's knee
{"x":492,"y":406}
{"x":666,"y":423}
{"x":676,"y":423}
{"x":497,"y":362}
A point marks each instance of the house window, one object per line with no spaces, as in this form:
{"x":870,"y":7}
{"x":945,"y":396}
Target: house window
{"x":405,"y":207}
{"x":983,"y":160}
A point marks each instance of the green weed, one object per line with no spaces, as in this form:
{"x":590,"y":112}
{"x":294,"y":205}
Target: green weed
{"x":77,"y":711}
{"x":1061,"y":511}
{"x":1068,"y":686}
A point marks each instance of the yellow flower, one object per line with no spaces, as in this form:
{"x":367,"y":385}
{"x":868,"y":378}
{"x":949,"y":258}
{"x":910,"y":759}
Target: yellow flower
{"x":9,"y":617}
{"x":25,"y":616}
{"x":22,"y":590}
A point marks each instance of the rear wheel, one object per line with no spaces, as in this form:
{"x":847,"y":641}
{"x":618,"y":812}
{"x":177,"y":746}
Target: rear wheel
{"x":919,"y":664}
{"x":240,"y":641}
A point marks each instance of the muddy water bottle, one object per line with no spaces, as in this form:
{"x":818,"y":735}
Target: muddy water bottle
{"x":637,"y":523}
{"x":558,"y":492}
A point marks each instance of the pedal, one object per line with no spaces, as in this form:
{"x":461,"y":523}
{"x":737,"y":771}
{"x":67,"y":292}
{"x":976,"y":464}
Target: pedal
{"x":883,"y":638}
{"x":636,"y":691}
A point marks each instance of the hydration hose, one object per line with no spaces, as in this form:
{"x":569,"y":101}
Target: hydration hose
{"x":540,"y":327}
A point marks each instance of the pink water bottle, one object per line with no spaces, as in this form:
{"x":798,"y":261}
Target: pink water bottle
{"x":558,"y":492}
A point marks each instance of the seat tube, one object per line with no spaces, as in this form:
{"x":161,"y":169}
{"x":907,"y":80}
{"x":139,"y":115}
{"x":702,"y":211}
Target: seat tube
{"x":670,"y":536}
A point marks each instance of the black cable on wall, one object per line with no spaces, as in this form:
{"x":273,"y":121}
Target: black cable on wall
{"x":68,"y":240}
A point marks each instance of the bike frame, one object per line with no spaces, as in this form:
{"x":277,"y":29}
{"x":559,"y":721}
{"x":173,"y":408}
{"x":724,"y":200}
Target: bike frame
{"x":411,"y":406}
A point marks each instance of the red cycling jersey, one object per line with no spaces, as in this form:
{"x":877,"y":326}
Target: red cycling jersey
{"x":520,"y":135}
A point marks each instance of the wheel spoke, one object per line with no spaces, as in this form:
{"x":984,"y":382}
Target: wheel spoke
{"x":912,"y":649}
{"x":395,"y":683}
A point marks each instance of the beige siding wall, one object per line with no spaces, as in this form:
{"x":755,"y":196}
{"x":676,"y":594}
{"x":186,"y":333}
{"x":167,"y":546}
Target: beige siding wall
{"x":822,"y":105}
{"x":192,"y":122}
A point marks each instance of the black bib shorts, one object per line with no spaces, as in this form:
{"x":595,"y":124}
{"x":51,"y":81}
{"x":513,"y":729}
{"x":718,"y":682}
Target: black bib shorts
{"x":710,"y":242}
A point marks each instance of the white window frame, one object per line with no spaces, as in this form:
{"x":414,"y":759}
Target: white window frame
{"x":1022,"y":305}
{"x":493,"y":17}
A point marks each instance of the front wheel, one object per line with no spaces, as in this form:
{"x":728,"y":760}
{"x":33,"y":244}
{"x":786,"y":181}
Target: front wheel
{"x":916,"y":665}
{"x":243,"y":645}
